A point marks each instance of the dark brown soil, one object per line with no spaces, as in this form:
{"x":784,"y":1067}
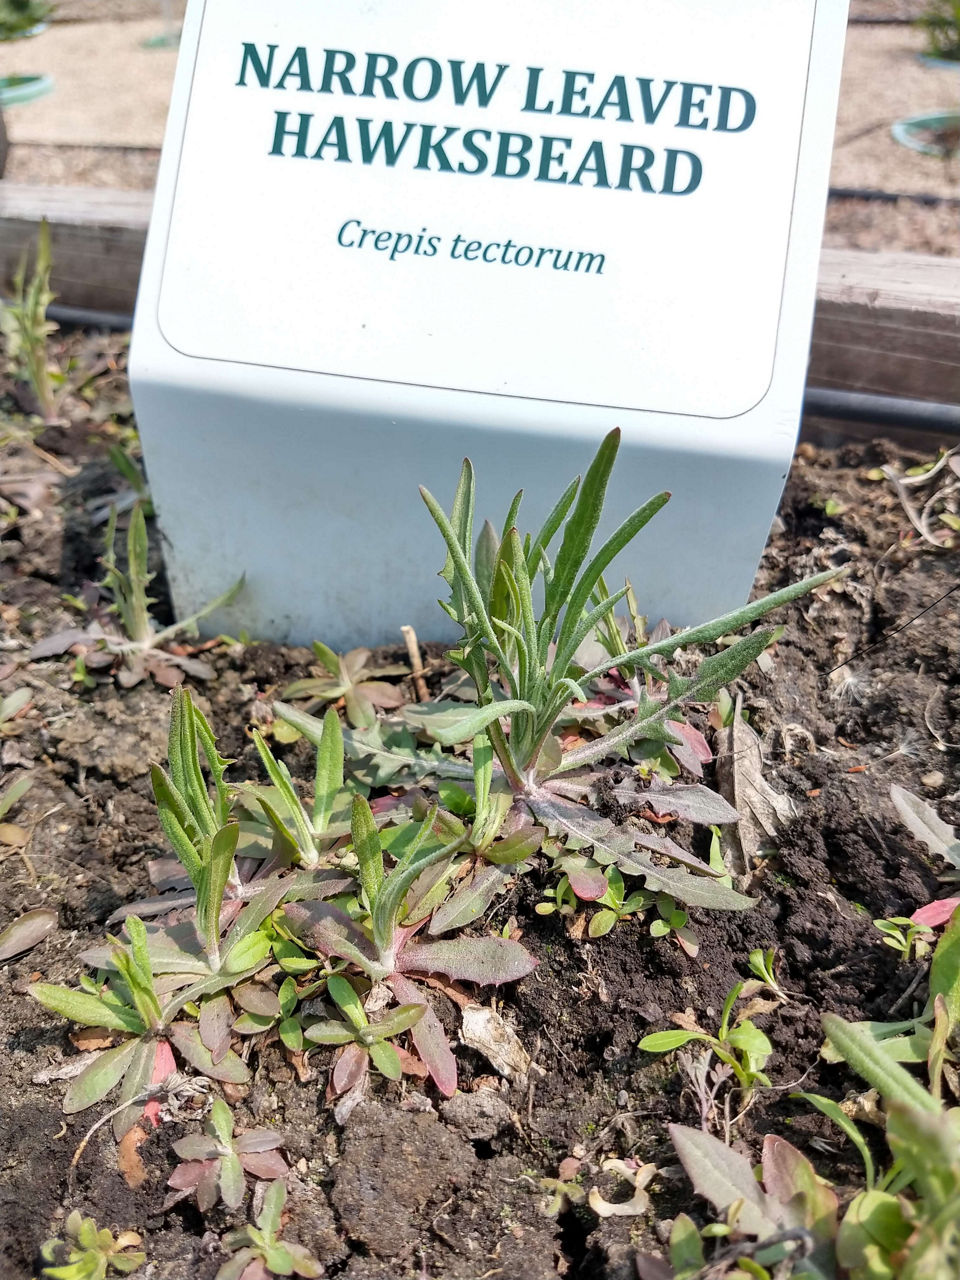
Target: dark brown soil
{"x":411,"y":1186}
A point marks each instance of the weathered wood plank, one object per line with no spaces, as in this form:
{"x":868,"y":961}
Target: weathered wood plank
{"x":886,"y":323}
{"x":97,"y":236}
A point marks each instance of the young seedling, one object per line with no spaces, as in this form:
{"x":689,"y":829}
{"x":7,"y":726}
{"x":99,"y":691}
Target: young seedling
{"x":363,"y":1042}
{"x":25,"y":327}
{"x":138,"y":640}
{"x":763,"y":964}
{"x":214,"y":1163}
{"x":618,"y":905}
{"x":91,"y":1253}
{"x":303,"y":837}
{"x":674,"y":922}
{"x":130,"y":1005}
{"x":348,"y":676}
{"x":385,"y":948}
{"x":911,"y":940}
{"x":258,"y":1251}
{"x":741,"y":1045}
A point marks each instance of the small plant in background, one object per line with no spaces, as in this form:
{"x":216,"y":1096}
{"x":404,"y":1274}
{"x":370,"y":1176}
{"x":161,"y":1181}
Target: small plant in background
{"x":762,"y":962}
{"x":215,"y":1162}
{"x":905,"y":936}
{"x":363,"y":1042}
{"x":126,"y":628}
{"x":349,"y":676}
{"x":740,"y":1045}
{"x":940,"y":22}
{"x":23,"y":321}
{"x":258,"y":1252}
{"x":90,"y":1252}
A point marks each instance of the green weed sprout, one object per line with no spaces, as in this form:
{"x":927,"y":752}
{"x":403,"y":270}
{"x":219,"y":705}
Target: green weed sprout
{"x":23,"y":322}
{"x":940,"y":22}
{"x":909,"y":939}
{"x":216,"y":1161}
{"x":131,"y":604}
{"x":742,"y":1046}
{"x":19,"y":16}
{"x":91,"y":1252}
{"x":363,"y":1042}
{"x":258,"y":1249}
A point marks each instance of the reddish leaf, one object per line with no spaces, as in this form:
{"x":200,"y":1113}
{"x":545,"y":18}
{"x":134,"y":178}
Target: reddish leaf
{"x":265,"y":1164}
{"x":429,"y":1037}
{"x":350,"y":1068}
{"x":936,"y":913}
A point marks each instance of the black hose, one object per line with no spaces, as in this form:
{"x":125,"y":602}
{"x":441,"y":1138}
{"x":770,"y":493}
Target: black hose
{"x":86,"y":317}
{"x":891,"y":197}
{"x":882,"y":411}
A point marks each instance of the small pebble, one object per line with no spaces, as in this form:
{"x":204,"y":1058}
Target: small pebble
{"x":623,"y":1098}
{"x":933,"y":780}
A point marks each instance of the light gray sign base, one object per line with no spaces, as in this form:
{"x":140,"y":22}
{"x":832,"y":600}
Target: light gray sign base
{"x":305,"y":477}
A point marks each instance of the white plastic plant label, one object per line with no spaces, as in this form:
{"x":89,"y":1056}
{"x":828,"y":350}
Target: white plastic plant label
{"x":589,"y":203}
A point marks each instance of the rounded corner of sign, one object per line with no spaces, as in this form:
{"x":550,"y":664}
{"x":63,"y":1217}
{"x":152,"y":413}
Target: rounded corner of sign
{"x":162,"y":331}
{"x":749,"y":408}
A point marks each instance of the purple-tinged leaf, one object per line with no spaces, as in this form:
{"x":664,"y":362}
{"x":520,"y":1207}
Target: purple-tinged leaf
{"x":96,"y":1080}
{"x":428,"y":1036}
{"x":350,"y":1068}
{"x":185,"y":1038}
{"x":208,"y":1186}
{"x":186,"y":1176}
{"x":693,"y":752}
{"x":216,"y":1015}
{"x":264,"y":1164}
{"x":723,"y":1176}
{"x":586,"y":878}
{"x":329,"y":931}
{"x":470,"y":901}
{"x":57,"y":644}
{"x":197,"y":1147}
{"x":486,"y":961}
{"x":936,"y":913}
{"x":256,"y":998}
{"x":694,"y":802}
{"x":257,"y":1140}
{"x":580,"y":826}
{"x":791,"y":1178}
{"x":166,"y":874}
{"x":26,"y":931}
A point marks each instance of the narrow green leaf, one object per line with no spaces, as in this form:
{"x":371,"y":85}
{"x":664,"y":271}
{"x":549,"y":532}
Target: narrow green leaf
{"x":328,"y":1032}
{"x":386,"y":1059}
{"x":859,"y":1049}
{"x":588,"y":580}
{"x":550,"y":526}
{"x":665,"y":1041}
{"x":398,"y":1020}
{"x":96,"y":1080}
{"x":477,"y":719}
{"x":279,"y":775}
{"x":347,"y":1001}
{"x":88,"y":1010}
{"x":329,"y":775}
{"x":366,"y":845}
{"x":827,"y":1107}
{"x":177,"y":823}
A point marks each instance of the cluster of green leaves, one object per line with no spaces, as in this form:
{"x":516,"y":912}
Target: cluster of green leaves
{"x":23,"y":320}
{"x":904,"y":1224}
{"x":90,"y":1252}
{"x":214,"y":1163}
{"x":506,"y":649}
{"x":188,"y":986}
{"x":258,"y":1250}
{"x":940,"y":22}
{"x":739,"y":1044}
{"x":20,"y":16}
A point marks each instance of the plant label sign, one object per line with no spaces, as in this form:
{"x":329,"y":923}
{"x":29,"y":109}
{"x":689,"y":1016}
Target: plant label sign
{"x":391,"y":234}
